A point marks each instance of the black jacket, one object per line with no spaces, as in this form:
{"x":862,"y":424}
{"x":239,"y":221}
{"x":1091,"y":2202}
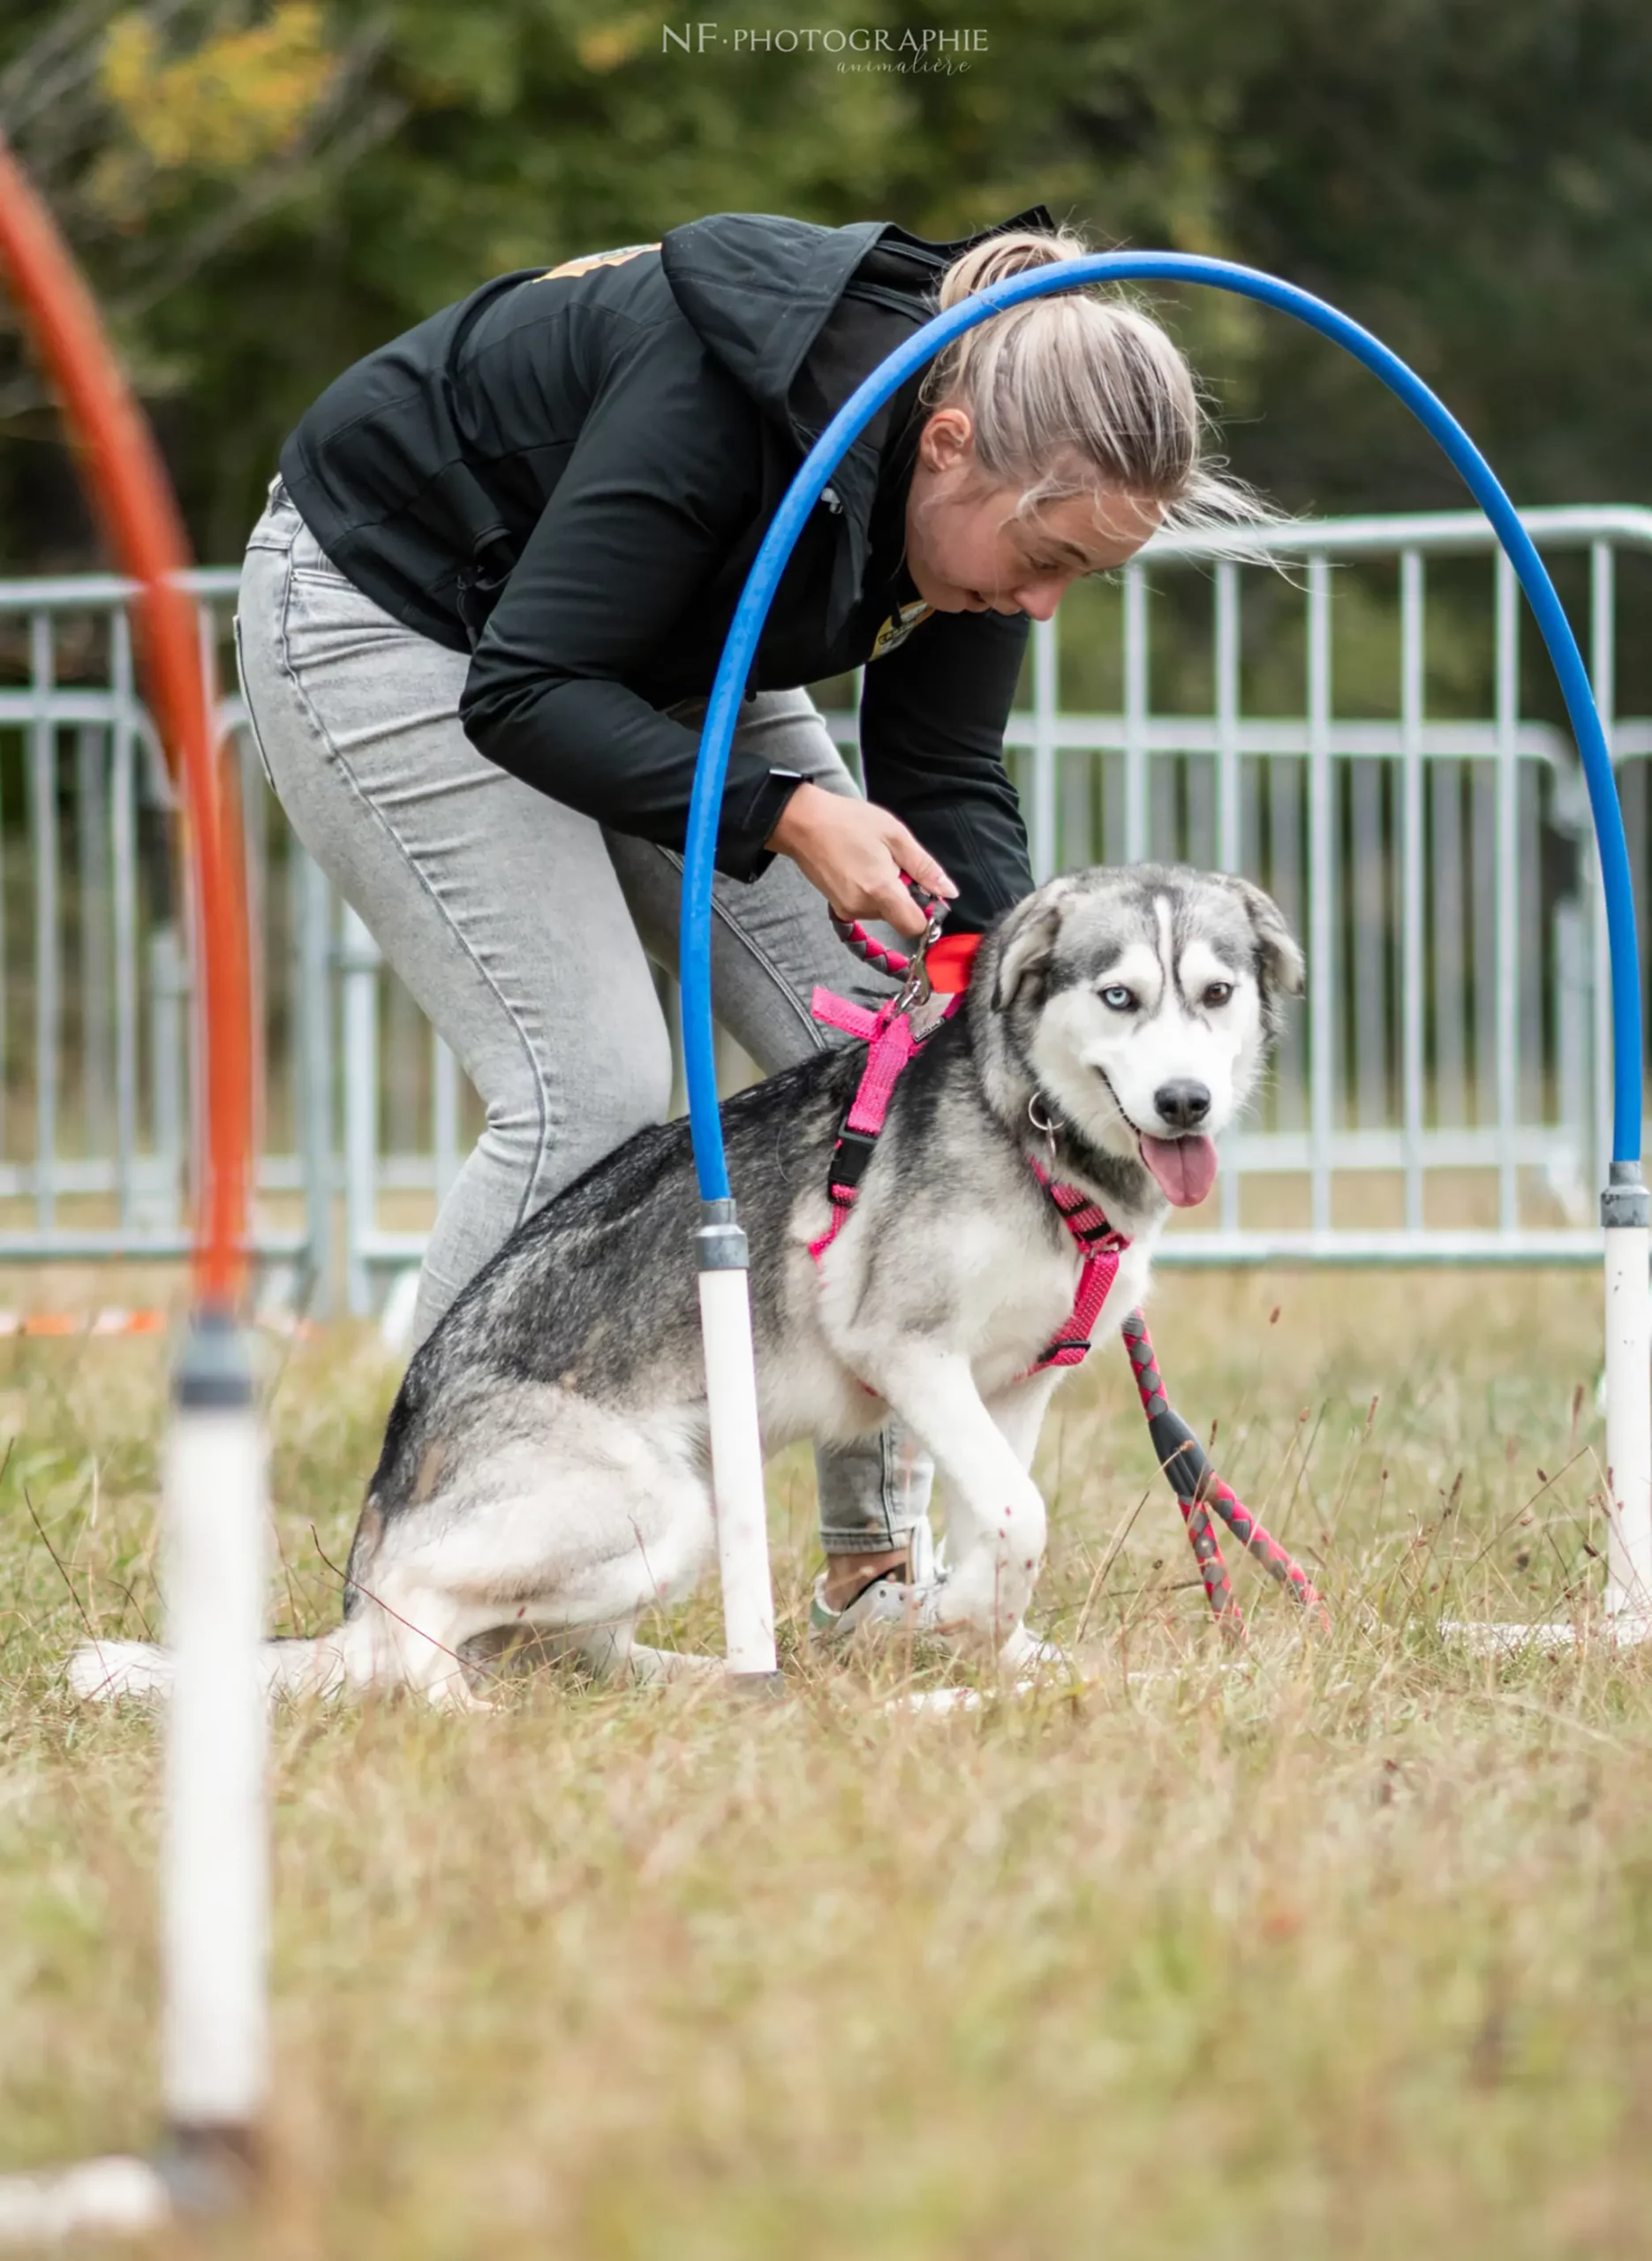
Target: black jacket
{"x":571,"y":472}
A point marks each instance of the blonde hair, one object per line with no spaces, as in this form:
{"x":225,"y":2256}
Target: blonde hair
{"x":1080,"y":392}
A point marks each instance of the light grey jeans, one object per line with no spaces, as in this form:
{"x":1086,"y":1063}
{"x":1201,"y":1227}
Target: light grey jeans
{"x":524,"y":930}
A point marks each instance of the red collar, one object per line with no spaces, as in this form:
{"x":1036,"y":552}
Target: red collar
{"x":950,"y":960}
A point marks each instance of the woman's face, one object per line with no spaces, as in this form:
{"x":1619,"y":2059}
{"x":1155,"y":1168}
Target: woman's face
{"x":965,"y":551}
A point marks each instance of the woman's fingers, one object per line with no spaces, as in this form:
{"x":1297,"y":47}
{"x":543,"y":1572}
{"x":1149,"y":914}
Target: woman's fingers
{"x":893,"y":902}
{"x":916,"y":860}
{"x":855,"y":854}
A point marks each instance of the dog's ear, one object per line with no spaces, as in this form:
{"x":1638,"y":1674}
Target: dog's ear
{"x":1025,"y":940}
{"x":1280,"y":963}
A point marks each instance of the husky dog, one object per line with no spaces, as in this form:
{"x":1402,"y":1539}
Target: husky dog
{"x":546,"y":1463}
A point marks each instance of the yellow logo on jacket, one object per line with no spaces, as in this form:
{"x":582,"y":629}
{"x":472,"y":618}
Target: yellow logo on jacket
{"x":899,"y":626}
{"x":597,"y":258}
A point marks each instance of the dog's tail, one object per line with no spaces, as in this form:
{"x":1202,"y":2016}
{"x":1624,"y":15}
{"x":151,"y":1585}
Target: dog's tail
{"x":106,"y":1670}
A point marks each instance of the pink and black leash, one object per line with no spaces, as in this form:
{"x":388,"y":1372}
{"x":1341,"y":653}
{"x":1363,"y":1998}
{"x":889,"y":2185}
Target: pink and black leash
{"x":1198,"y":1488}
{"x":1195,"y":1482}
{"x":883,"y":957}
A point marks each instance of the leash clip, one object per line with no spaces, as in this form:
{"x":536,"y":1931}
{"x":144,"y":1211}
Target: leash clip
{"x":917,"y":989}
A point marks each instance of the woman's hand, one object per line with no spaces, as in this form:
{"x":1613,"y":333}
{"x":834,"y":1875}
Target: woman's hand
{"x":855,"y":854}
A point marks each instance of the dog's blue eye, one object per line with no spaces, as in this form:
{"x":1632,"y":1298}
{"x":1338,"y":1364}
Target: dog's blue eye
{"x":1121,"y":999}
{"x":1218,"y":993}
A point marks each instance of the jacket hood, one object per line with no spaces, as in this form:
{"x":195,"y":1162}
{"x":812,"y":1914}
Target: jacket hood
{"x":758,"y":289}
{"x":799,"y":314}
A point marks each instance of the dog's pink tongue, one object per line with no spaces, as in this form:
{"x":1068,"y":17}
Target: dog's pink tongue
{"x":1185,"y":1168}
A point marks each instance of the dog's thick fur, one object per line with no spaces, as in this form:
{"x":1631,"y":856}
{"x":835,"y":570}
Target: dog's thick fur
{"x":545,"y":1462}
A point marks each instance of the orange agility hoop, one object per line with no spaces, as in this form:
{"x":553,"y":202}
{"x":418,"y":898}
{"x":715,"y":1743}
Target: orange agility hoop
{"x":215,"y":1854}
{"x":140,"y":518}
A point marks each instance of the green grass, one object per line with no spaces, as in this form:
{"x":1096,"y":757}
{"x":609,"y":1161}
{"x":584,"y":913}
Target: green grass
{"x":1345,"y":1949}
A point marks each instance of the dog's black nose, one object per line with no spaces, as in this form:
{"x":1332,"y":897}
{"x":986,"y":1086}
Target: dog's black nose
{"x":1183,"y":1105}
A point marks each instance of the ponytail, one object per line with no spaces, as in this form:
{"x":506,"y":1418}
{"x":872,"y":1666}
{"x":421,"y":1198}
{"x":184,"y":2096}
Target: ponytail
{"x":1079,"y":391}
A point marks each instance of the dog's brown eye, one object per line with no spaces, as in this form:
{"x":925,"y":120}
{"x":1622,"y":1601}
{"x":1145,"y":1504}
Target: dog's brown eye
{"x":1218,"y":993}
{"x":1121,"y":999}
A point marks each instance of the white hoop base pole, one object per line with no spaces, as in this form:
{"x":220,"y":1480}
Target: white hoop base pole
{"x":215,"y":1880}
{"x":1624,"y":1213}
{"x":731,"y":1404}
{"x":215,"y":1885}
{"x":1627,"y":1621}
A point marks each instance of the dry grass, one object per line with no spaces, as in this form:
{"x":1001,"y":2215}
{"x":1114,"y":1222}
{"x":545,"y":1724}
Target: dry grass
{"x":1340,"y":1951}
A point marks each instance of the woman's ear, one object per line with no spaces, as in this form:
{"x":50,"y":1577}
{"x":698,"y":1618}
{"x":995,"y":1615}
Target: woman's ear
{"x":946,"y":443}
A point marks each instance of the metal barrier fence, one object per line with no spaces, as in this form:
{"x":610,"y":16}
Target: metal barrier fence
{"x":1351,"y":732}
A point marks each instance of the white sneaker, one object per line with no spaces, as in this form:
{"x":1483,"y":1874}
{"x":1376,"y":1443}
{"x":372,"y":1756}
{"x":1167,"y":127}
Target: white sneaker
{"x":885,"y":1602}
{"x":917,"y":1605}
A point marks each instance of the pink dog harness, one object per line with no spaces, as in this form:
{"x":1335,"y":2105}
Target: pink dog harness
{"x":891,"y":1048}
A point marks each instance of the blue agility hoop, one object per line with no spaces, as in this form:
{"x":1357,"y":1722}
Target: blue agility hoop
{"x":739,"y":651}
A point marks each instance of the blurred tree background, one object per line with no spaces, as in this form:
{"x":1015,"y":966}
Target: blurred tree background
{"x":260,"y":189}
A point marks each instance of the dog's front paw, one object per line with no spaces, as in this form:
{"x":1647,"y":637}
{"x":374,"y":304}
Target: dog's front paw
{"x":1025,"y":1652}
{"x":985,"y":1597}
